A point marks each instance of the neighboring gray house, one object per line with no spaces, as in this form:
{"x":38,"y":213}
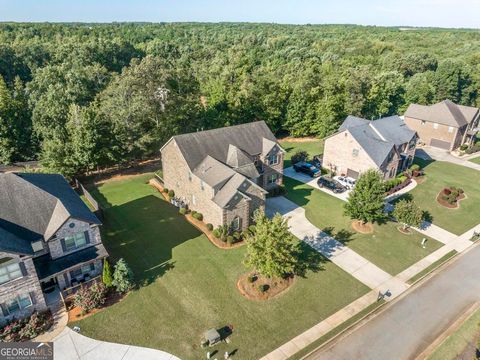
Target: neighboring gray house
{"x":387,"y":145}
{"x":224,"y":173}
{"x":48,"y":239}
{"x":445,"y":125}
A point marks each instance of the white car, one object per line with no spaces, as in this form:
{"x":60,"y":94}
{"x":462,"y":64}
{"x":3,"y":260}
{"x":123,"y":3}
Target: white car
{"x":346,"y":181}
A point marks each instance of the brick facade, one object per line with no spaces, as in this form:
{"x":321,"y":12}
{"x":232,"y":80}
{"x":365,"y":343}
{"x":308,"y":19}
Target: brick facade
{"x":270,"y":170}
{"x":28,"y":284}
{"x":428,"y":130}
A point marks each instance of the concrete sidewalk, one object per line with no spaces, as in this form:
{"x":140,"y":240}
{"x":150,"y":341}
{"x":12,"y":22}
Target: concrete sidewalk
{"x":344,"y":257}
{"x":70,"y":345}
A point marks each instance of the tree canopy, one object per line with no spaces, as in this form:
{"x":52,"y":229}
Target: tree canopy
{"x":92,"y":95}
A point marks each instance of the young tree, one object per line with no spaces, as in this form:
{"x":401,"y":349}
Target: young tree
{"x":408,"y":213}
{"x":366,"y":201}
{"x":122,"y":276}
{"x":272,"y":249}
{"x":107,"y":274}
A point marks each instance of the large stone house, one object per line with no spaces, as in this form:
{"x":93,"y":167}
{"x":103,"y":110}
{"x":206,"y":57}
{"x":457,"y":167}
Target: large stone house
{"x":49,"y":240}
{"x":224,"y":173}
{"x":387,"y":145}
{"x":445,"y":125}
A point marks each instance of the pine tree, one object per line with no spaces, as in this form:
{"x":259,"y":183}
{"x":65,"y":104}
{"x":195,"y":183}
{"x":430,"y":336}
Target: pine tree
{"x":107,"y":274}
{"x":271,"y":249}
{"x":408,"y":213}
{"x":122,"y":276}
{"x":366,"y":201}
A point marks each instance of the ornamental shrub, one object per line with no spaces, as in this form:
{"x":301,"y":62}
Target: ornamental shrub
{"x":209,"y":227}
{"x":171,"y":193}
{"x":216,"y":233}
{"x":415,"y":167}
{"x":122,"y":276}
{"x":262,"y":288}
{"x":299,"y":156}
{"x":107,"y":273}
{"x":230,"y":240}
{"x":165,"y":190}
{"x":182,"y":211}
{"x":251,"y":278}
{"x":198,"y":216}
{"x":90,"y":297}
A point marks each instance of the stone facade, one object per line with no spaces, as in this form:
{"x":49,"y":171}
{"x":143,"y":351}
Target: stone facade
{"x":28,"y":284}
{"x":65,"y":280}
{"x":198,"y":195}
{"x":72,"y":227}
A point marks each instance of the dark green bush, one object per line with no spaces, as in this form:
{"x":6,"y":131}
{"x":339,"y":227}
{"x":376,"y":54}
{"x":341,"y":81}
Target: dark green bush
{"x":251,"y":278}
{"x":209,"y":227}
{"x":251,"y":228}
{"x":171,"y":193}
{"x":299,"y":156}
{"x":198,"y":216}
{"x":230,"y":240}
{"x":463,"y":147}
{"x":182,"y":211}
{"x":165,"y":190}
{"x":262,"y":288}
{"x":415,"y":167}
{"x":216,"y":233}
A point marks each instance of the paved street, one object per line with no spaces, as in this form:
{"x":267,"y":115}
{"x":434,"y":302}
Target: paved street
{"x":408,"y":326}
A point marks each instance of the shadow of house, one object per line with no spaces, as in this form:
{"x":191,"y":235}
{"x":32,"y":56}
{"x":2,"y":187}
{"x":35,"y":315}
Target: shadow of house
{"x":144,"y":232}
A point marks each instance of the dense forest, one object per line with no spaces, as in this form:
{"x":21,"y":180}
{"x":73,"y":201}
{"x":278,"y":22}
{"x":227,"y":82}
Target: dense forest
{"x":82,"y":96}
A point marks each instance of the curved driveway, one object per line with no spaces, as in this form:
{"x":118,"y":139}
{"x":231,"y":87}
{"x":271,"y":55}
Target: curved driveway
{"x":405,"y":328}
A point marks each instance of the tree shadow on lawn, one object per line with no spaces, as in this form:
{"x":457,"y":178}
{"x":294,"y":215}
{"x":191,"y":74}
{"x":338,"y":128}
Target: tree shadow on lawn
{"x":308,"y":260}
{"x":342,"y":235}
{"x":144,"y":232}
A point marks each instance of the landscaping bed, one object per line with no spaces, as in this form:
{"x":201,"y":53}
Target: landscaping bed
{"x":450,"y":197}
{"x":25,"y":329}
{"x":386,"y":247}
{"x":257,"y":287}
{"x":185,"y":286}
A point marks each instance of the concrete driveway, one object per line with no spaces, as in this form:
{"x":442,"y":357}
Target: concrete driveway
{"x":313,"y":183}
{"x":404,"y":329}
{"x":70,"y":345}
{"x":432,"y":153}
{"x":344,"y":257}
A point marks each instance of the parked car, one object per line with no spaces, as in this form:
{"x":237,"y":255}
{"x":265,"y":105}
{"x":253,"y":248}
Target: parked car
{"x":307,"y":168}
{"x":331,"y":184}
{"x":346,"y":181}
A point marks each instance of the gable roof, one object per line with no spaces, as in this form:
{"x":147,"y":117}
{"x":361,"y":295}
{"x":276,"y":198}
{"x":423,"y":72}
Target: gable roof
{"x":215,"y":143}
{"x":34,"y":206}
{"x":378,"y":137}
{"x":445,"y":113}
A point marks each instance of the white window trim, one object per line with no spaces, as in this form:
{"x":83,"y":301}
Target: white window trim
{"x":276,"y":157}
{"x":75,"y":241}
{"x":10,"y":278}
{"x":236,"y":223}
{"x":17,"y":300}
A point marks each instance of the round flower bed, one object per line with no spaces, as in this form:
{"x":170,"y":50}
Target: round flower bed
{"x":362,"y":228}
{"x":450,"y":197}
{"x":256,"y":287}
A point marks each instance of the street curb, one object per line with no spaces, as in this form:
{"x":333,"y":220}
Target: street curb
{"x":376,"y":312}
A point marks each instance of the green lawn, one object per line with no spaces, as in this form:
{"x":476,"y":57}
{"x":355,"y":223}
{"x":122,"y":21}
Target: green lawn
{"x":455,"y":344}
{"x":187,"y":285}
{"x":475,"y":160}
{"x":312,"y":147}
{"x":386,"y":247}
{"x":440,"y":175}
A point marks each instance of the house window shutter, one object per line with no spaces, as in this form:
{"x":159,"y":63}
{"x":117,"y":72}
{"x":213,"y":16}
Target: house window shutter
{"x":23,"y":268}
{"x":64,"y":247}
{"x":32,"y":297}
{"x":87,"y":237}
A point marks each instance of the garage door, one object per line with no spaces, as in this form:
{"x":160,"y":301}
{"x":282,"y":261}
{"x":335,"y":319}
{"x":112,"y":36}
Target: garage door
{"x":352,"y":173}
{"x":440,"y":144}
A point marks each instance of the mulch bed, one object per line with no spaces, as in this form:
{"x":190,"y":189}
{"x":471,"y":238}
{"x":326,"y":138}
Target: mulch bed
{"x":275,"y":286}
{"x":366,"y":228}
{"x":406,"y":231}
{"x":447,"y":204}
{"x":75,"y":313}
{"x":200,"y":225}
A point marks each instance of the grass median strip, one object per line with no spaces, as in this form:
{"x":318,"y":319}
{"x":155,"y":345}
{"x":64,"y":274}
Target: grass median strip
{"x":432,"y":267}
{"x":336,"y":331}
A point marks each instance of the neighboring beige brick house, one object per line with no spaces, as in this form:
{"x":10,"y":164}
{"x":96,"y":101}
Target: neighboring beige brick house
{"x":445,"y":125}
{"x":49,"y":240}
{"x":387,"y":145}
{"x":224,"y":173}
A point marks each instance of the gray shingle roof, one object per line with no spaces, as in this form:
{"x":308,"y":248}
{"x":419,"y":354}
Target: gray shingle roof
{"x":34,"y":206}
{"x":445,"y":112}
{"x":246,"y":137}
{"x":213,"y":172}
{"x":378,"y":137}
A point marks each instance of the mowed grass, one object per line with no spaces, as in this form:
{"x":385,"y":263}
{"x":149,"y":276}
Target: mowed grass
{"x":311,"y":146}
{"x":440,"y":175}
{"x":475,"y":160}
{"x":386,"y":246}
{"x":464,"y":341}
{"x":187,"y":285}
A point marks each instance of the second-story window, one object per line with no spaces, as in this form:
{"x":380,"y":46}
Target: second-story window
{"x":273,"y":159}
{"x":19,"y":303}
{"x":75,"y":241}
{"x":10,"y":271}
